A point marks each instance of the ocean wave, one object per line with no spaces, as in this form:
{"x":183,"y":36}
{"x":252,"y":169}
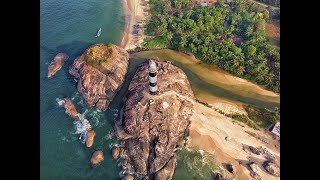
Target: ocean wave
{"x":76,"y":95}
{"x":60,"y":101}
{"x":109,"y":135}
{"x":82,"y":126}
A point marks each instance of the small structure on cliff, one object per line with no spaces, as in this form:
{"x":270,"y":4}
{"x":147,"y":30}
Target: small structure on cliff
{"x":153,"y":77}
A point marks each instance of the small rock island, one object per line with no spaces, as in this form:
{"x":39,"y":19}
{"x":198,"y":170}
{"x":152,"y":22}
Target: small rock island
{"x":154,"y":124}
{"x":101,"y":70}
{"x":57,"y":63}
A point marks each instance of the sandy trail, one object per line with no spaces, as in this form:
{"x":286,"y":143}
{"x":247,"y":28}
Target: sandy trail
{"x":129,"y":11}
{"x":208,"y":131}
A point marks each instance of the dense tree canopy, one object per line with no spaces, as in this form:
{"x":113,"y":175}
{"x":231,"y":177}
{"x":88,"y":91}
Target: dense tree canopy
{"x":232,"y":37}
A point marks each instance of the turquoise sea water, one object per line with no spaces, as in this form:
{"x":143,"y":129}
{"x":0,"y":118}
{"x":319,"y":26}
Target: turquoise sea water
{"x":70,"y":26}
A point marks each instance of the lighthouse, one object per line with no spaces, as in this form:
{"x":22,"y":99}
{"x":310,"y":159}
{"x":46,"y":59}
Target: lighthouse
{"x":153,"y":77}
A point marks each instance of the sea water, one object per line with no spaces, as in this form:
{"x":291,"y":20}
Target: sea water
{"x":70,"y":26}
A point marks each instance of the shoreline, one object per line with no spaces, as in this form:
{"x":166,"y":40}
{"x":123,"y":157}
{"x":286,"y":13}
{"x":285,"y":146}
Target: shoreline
{"x":134,"y":12}
{"x":127,"y":10}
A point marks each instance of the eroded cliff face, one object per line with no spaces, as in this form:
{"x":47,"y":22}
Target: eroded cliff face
{"x":101,"y":71}
{"x":153,"y":126}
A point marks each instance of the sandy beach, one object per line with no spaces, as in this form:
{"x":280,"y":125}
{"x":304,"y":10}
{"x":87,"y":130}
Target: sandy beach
{"x":208,"y":131}
{"x":134,"y":12}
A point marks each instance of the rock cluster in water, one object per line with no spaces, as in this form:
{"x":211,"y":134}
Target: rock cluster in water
{"x":101,"y":70}
{"x":153,"y":126}
{"x":96,"y":158}
{"x":71,"y":109}
{"x":90,"y":137}
{"x":57,"y":63}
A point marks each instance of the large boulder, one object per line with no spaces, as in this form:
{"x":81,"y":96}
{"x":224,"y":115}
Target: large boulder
{"x":272,"y":168}
{"x":219,"y":177}
{"x":154,"y":125}
{"x":71,"y":109}
{"x":57,"y":63}
{"x":230,"y":168}
{"x":96,"y":158}
{"x":121,"y":151}
{"x":90,"y":137}
{"x":128,"y":177}
{"x":254,"y":170}
{"x":115,"y":152}
{"x":101,"y":70}
{"x":254,"y":150}
{"x":167,"y":171}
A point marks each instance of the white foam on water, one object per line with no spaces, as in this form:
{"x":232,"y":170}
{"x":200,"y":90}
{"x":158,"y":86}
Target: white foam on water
{"x":95,"y":116}
{"x":82,"y":126}
{"x":80,"y":102}
{"x":76,"y":95}
{"x":114,"y":110}
{"x":110,"y":135}
{"x":60,"y":101}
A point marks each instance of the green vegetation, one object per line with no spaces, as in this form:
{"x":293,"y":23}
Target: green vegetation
{"x":157,"y":42}
{"x":204,"y":103}
{"x":99,"y":54}
{"x":275,"y":3}
{"x":244,"y":119}
{"x":262,"y":116}
{"x":180,"y":4}
{"x":232,"y":37}
{"x":192,"y":165}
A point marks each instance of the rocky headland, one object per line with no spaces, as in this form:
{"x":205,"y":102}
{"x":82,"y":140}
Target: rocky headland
{"x":154,"y":126}
{"x":100,"y":71}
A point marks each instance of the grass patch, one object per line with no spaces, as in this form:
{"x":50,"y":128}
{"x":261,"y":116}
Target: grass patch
{"x":262,"y":116}
{"x":204,"y":103}
{"x":244,"y":119}
{"x":100,"y":54}
{"x":156,"y":42}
